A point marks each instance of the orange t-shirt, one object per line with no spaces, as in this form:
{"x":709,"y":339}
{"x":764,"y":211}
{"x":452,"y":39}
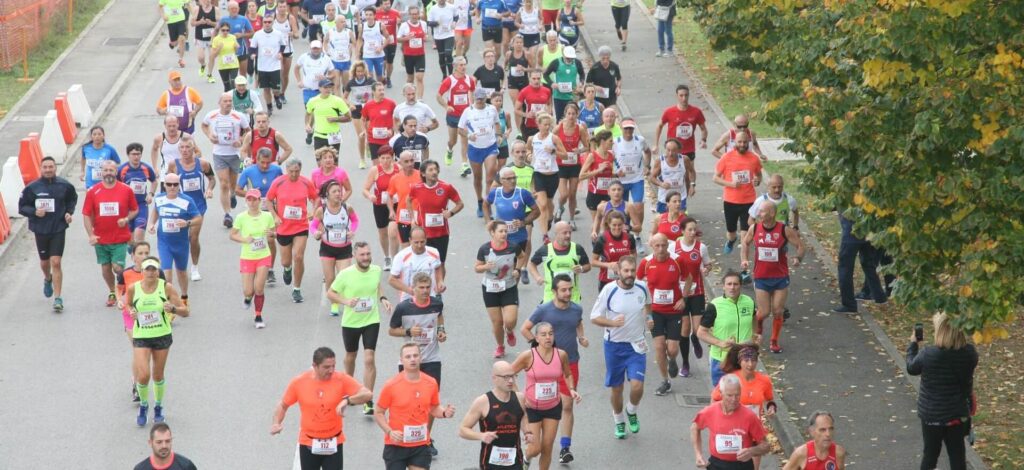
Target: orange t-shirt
{"x":409,"y":404}
{"x":193,"y":97}
{"x":398,"y":190}
{"x":318,"y":401}
{"x":742,"y":168}
{"x":753,"y":394}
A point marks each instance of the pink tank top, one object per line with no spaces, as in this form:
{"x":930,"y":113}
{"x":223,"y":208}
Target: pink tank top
{"x":542,"y":382}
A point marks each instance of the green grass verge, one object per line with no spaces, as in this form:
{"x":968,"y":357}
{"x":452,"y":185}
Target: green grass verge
{"x":42,"y":57}
{"x":729,"y":87}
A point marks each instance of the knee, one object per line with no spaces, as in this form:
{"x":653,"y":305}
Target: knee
{"x":54,"y":263}
{"x":298,"y":256}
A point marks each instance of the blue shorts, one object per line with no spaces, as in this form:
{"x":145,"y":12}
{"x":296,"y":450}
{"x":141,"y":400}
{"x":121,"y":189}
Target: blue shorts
{"x":663,"y":208}
{"x":375,"y":65}
{"x":634,"y":192}
{"x":140,"y":220}
{"x":452,"y":121}
{"x":478,"y":155}
{"x":771,"y":284}
{"x":308,"y":95}
{"x":623,"y":362}
{"x":342,"y":66}
{"x":716,"y":372}
{"x":173,"y":254}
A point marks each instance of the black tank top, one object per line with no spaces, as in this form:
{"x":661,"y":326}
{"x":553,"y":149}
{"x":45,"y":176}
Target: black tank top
{"x":503,"y":418}
{"x":203,"y":15}
{"x":513,"y":61}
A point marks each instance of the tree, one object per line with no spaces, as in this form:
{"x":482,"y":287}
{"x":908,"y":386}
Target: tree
{"x":909,"y":113}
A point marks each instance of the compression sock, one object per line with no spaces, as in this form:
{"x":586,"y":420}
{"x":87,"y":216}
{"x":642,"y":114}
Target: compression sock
{"x":759,"y":323}
{"x":143,"y":390}
{"x":258,"y":303}
{"x":159,"y":391}
{"x":776,"y":327}
{"x":684,"y":349}
{"x":566,"y":442}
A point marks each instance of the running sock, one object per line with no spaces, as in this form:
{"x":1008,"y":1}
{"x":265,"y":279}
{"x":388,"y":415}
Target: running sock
{"x":566,"y":442}
{"x":259,"y":304}
{"x":759,"y":324}
{"x":630,"y":407}
{"x":619,"y":418}
{"x":776,"y":326}
{"x":684,"y":349}
{"x":143,"y":390}
{"x":159,"y":391}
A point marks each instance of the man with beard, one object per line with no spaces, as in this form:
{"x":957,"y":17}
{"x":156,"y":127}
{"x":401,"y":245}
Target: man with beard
{"x":622,"y":309}
{"x":163,"y":457}
{"x":107,"y":211}
{"x":738,"y":172}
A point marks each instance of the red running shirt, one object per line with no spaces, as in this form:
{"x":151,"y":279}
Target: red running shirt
{"x":812,"y":462}
{"x":432,"y":201}
{"x":663,"y":280}
{"x":598,"y":184}
{"x":378,"y":116}
{"x":681,"y":125}
{"x":291,"y":197}
{"x":691,"y":261}
{"x":459,"y":92}
{"x":536,"y":101}
{"x":673,"y":229}
{"x":769,"y":255}
{"x":729,"y":432}
{"x":105,"y":206}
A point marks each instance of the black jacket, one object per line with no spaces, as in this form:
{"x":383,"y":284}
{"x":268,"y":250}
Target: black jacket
{"x":947,"y":379}
{"x":64,"y":200}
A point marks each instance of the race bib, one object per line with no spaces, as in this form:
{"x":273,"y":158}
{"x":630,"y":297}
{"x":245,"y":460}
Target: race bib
{"x":571,"y":158}
{"x":434,"y":220}
{"x":502,"y":456}
{"x":604,"y":183}
{"x":384,"y":197}
{"x":741,"y":177}
{"x":110,"y":209}
{"x":148,"y":318}
{"x":415,"y":43}
{"x":339,"y":54}
{"x":325,"y":446}
{"x":225,"y":133}
{"x":511,"y":228}
{"x":664,"y":296}
{"x":412,"y":434}
{"x":494,"y":285}
{"x":640,"y":346}
{"x":564,"y":87}
{"x":45,"y":204}
{"x":363,"y":305}
{"x":601,"y":92}
{"x":768,"y":254}
{"x":319,"y":18}
{"x":337,"y":236}
{"x":568,"y":31}
{"x":404,"y":216}
{"x":138,"y":187}
{"x":538,"y":107}
{"x":491,"y":13}
{"x":176,"y":110}
{"x":334,"y":139}
{"x":293,"y":212}
{"x":380,"y":132}
{"x":425,"y":337}
{"x":542,"y":165}
{"x":95,"y":173}
{"x":613,"y":275}
{"x":229,"y":59}
{"x":268,"y":52}
{"x":205,"y":33}
{"x":417,"y":156}
{"x":684,"y":131}
{"x":517,"y":71}
{"x":190,"y":184}
{"x":544,"y":391}
{"x":258,"y":244}
{"x":461,"y":99}
{"x":728,"y":443}
{"x":169,"y":225}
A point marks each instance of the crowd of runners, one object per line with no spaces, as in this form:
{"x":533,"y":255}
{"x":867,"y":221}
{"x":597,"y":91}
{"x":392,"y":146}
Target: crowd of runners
{"x":530,"y":124}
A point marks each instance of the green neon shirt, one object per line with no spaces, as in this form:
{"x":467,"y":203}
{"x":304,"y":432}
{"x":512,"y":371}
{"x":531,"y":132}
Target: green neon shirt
{"x":351,"y":283}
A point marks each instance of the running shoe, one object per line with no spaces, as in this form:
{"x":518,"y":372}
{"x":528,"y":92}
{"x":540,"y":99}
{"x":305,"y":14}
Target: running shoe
{"x":228,"y":222}
{"x":785,"y":314}
{"x":862,"y":296}
{"x":547,"y":239}
{"x":620,"y":430}
{"x":634,"y":423}
{"x":659,"y":54}
{"x":698,"y":349}
{"x":523,"y":277}
{"x":277,"y":102}
{"x":387,"y":83}
{"x":271,"y":277}
{"x":448,"y":157}
{"x":247,"y":301}
{"x":141,"y":419}
{"x":259,"y":322}
{"x":287,"y":276}
{"x":684,"y":371}
{"x":58,"y":305}
{"x":561,"y":212}
{"x":728,"y":247}
{"x":565,"y":456}
{"x":296,"y":296}
{"x":572,"y":225}
{"x":387,"y":263}
{"x":664,"y":388}
{"x":195,"y":274}
{"x":135,"y":394}
{"x":368,"y":408}
{"x":433,"y":450}
{"x":309,"y":138}
{"x":48,"y":288}
{"x":510,"y":338}
{"x":673,"y":367}
{"x":466,"y":170}
{"x":479,"y":213}
{"x":745,"y":277}
{"x":499,"y":352}
{"x":202,"y":71}
{"x":284,"y":99}
{"x":210,"y":79}
{"x":362,"y":164}
{"x":775,"y":348}
{"x":335,"y":310}
{"x":158,"y":414}
{"x":111,"y":299}
{"x":234,"y":201}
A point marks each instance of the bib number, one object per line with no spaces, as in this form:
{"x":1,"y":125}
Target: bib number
{"x":148,"y":318}
{"x":363,"y":305}
{"x":381,"y":132}
{"x":334,"y":139}
{"x":461,"y":99}
{"x":728,"y":443}
{"x":258,"y":244}
{"x":176,"y":110}
{"x":325,"y":446}
{"x":571,"y":158}
{"x":415,"y":43}
{"x":412,"y":434}
{"x":491,"y":13}
{"x":684,"y":130}
{"x":661,"y":13}
{"x":337,"y":236}
{"x":434,"y":220}
{"x":45,"y":205}
{"x":95,"y":174}
{"x":170,"y":225}
{"x":190,"y":184}
{"x":545,"y":391}
{"x":767,"y":254}
{"x":229,"y":59}
{"x":536,"y":108}
{"x":664,"y":296}
{"x":425,"y":337}
{"x":494,"y":285}
{"x":604,"y":183}
{"x":293,"y":212}
{"x":601,"y":92}
{"x":565,"y":87}
{"x":502,"y":456}
{"x":138,"y":187}
{"x":741,"y":177}
{"x":404,"y":216}
{"x":110,"y":209}
{"x":640,"y":346}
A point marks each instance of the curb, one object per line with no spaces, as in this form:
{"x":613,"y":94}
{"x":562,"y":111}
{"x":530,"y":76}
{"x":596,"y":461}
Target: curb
{"x":19,"y":226}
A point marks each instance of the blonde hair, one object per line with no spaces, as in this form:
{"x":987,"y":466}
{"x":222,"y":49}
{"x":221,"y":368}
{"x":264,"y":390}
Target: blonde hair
{"x":545,"y":117}
{"x":946,"y":335}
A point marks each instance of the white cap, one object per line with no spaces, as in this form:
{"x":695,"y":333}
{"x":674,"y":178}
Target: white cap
{"x":569,"y":52}
{"x":316,"y":44}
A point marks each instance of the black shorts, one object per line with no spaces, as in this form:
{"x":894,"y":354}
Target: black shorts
{"x":389,"y":53}
{"x":335,"y":252}
{"x":536,"y":416}
{"x":491,"y":34}
{"x":320,"y":142}
{"x":695,"y":306}
{"x":177,"y":30}
{"x":159,"y":343}
{"x":510,"y":27}
{"x":270,"y":80}
{"x":441,"y":245}
{"x":286,"y":240}
{"x":569,"y":171}
{"x":504,"y":298}
{"x":518,"y":83}
{"x":715,"y":463}
{"x":669,"y":326}
{"x":404,"y":232}
{"x":594,"y":200}
{"x":621,"y":17}
{"x":369,"y":334}
{"x":546,"y":183}
{"x":736,"y":213}
{"x":691,"y":155}
{"x":50,"y":245}
{"x":414,"y":63}
{"x":432,"y":369}
{"x":357,"y":111}
{"x":374,"y":148}
{"x":381,"y":215}
{"x":529,"y":132}
{"x":400,"y":458}
{"x":502,"y":155}
{"x":530,"y":40}
{"x":310,"y":461}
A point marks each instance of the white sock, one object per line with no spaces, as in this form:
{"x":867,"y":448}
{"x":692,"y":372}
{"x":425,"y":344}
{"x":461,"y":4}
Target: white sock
{"x":630,"y":408}
{"x":619,"y":418}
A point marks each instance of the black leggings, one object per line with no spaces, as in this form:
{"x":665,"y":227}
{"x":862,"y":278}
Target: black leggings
{"x":953,"y":437}
{"x":621,"y":17}
{"x":736,"y":214}
{"x":444,"y":55}
{"x":310,"y":461}
{"x":227,"y":77}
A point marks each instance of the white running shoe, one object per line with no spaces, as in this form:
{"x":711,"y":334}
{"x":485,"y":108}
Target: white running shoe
{"x":195,"y":274}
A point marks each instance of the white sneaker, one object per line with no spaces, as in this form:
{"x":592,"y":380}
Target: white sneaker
{"x":387,"y":263}
{"x":195,"y":274}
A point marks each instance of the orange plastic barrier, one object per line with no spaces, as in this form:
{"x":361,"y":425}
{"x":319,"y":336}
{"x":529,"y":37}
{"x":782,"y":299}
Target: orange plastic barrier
{"x":30,"y":157}
{"x":64,"y":117}
{"x":5,"y":222}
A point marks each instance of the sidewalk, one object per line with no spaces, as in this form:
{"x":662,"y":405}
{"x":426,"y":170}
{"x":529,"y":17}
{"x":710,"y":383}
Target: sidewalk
{"x":830,"y":362}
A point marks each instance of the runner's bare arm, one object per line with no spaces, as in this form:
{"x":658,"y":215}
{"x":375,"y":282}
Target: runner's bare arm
{"x":474,"y":414}
{"x":797,"y":459}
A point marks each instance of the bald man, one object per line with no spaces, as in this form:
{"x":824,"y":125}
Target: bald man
{"x":728,"y":139}
{"x":501,"y":415}
{"x":785,"y":204}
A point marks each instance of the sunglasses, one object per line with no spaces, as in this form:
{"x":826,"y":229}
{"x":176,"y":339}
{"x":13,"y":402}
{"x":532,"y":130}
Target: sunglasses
{"x":172,"y":185}
{"x":742,"y":127}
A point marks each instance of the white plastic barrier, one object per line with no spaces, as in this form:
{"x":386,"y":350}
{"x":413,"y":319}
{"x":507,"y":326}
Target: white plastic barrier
{"x":79,"y":106}
{"x":51,"y":139}
{"x":11,"y":186}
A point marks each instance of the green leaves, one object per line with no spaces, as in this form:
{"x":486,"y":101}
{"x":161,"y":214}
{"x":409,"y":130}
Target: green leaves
{"x":910,"y":115}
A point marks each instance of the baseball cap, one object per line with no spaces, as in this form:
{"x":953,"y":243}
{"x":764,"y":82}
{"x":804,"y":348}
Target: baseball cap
{"x":481,"y":94}
{"x":253,"y":194}
{"x":326,"y":82}
{"x":174,"y":75}
{"x":569,"y":51}
{"x":172,"y":178}
{"x":150,"y":263}
{"x":241,"y":80}
{"x":628,"y":123}
{"x":316,"y":44}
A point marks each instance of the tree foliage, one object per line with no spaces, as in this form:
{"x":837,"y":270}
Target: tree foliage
{"x":910,"y":115}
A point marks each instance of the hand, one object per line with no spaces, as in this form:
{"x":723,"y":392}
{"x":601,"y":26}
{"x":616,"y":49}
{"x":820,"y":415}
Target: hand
{"x":149,"y":199}
{"x":168,"y":306}
{"x":692,"y":191}
{"x":794,"y":261}
{"x":539,"y":280}
{"x":619,"y":321}
{"x":583,"y":341}
{"x":700,"y":462}
{"x":471,"y":137}
{"x":744,"y":455}
{"x":40,"y":213}
{"x":528,"y":438}
{"x":416,"y":330}
{"x":576,"y":397}
{"x":309,"y":129}
{"x":704,"y":144}
{"x":678,"y":306}
{"x":620,"y":173}
{"x":181,"y":223}
{"x":319,"y":233}
{"x":208,"y":194}
{"x":449,"y":411}
{"x":442,"y":336}
{"x":654,"y":148}
{"x":386,"y":304}
{"x":770,"y":410}
{"x":236,"y":144}
{"x":122,"y":222}
{"x":577,"y":269}
{"x":396,"y":436}
{"x":212,"y":138}
{"x":276,"y":429}
{"x":450,"y":109}
{"x":81,"y":178}
{"x":490,"y":265}
{"x":650,"y":324}
{"x":729,"y":343}
{"x":94,"y":240}
{"x":277,"y":220}
{"x":120,"y":304}
{"x":489,"y":437}
{"x":745,"y":265}
{"x":440,"y":288}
